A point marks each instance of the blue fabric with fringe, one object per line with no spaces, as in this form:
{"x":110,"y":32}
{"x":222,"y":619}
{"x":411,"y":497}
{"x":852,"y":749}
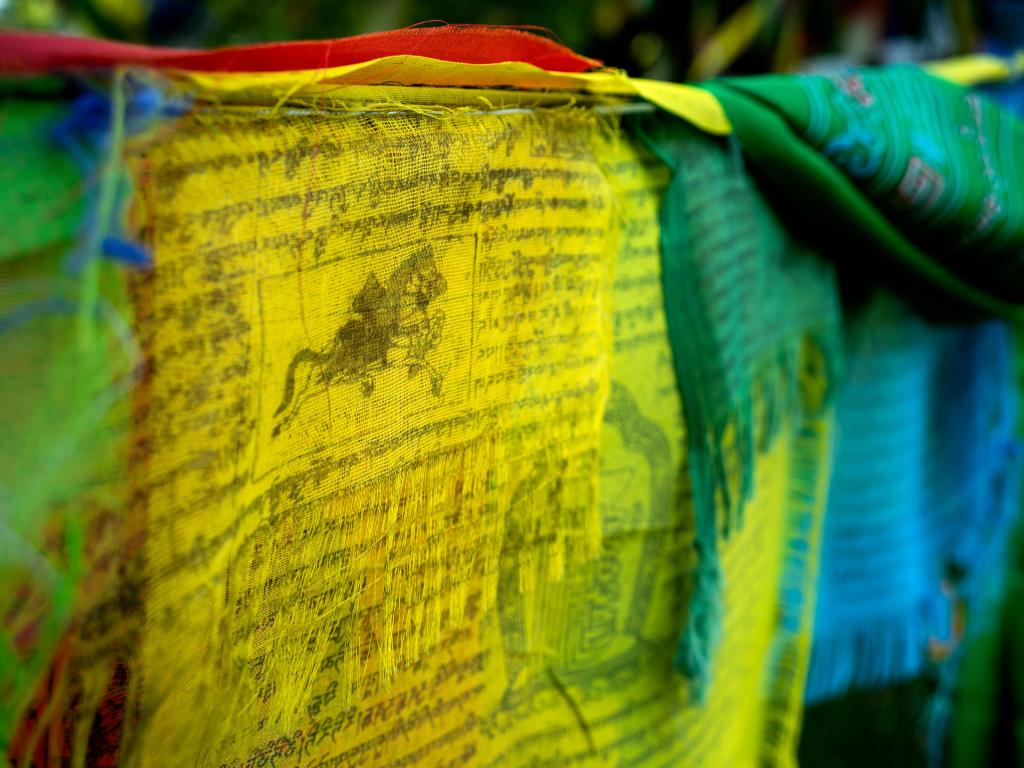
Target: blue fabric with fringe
{"x":921,"y":495}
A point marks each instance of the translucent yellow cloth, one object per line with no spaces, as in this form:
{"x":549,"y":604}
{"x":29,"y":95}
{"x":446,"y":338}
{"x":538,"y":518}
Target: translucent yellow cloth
{"x":407,"y":482}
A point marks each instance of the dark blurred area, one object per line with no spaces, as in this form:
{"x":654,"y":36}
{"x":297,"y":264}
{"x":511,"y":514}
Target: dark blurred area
{"x":667,"y":39}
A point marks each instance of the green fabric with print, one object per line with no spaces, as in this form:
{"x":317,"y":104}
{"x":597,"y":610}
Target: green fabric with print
{"x":902,"y":177}
{"x":748,"y":309}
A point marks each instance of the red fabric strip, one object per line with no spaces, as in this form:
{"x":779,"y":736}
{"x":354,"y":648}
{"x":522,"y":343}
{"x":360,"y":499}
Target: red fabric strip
{"x":24,"y":52}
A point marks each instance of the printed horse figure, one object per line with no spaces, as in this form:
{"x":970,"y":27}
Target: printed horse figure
{"x":393,"y":316}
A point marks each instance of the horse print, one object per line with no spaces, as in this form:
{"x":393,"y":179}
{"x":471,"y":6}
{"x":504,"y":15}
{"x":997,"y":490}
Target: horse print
{"x":395,"y":324}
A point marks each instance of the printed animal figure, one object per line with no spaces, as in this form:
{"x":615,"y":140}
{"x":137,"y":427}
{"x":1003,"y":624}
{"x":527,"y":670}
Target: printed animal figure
{"x":389,"y":318}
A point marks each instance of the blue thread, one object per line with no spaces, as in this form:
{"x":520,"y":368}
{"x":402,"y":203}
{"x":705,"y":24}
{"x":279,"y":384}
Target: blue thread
{"x":85,"y":135}
{"x":126,"y":252}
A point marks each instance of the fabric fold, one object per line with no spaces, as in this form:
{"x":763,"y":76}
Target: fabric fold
{"x":903,"y":177}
